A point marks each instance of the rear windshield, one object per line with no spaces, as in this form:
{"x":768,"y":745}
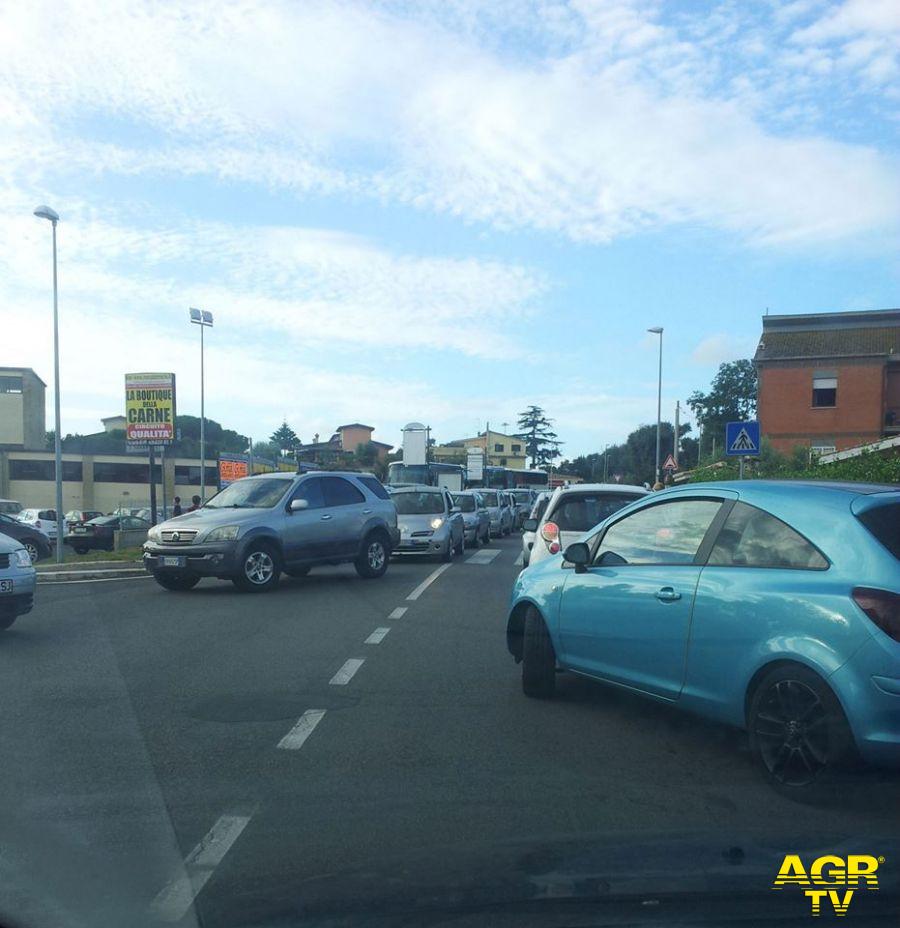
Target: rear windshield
{"x":522,"y":496}
{"x":418,"y":504}
{"x":465,"y":503}
{"x":580,"y":512}
{"x":884,"y":523}
{"x":490,"y":499}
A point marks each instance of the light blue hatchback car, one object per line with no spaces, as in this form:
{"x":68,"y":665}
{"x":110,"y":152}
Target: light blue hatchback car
{"x":770,"y":605}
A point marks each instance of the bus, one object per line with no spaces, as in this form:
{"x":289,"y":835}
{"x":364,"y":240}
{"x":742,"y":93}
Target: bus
{"x":508,"y":478}
{"x":451,"y":476}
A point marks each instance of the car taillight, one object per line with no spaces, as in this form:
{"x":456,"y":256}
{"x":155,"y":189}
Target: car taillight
{"x":882,"y":607}
{"x":550,"y":534}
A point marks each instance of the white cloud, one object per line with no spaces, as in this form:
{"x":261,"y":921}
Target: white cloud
{"x":719,"y":348}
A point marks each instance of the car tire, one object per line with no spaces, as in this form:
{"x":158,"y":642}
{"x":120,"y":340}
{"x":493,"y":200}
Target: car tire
{"x":297,"y":572}
{"x":178,"y":583}
{"x":538,"y":658}
{"x":475,"y":539}
{"x":486,"y":538}
{"x":259,"y":569}
{"x":80,"y":549}
{"x":460,"y":549}
{"x":372,"y":561}
{"x":446,"y":556}
{"x":34,"y":552}
{"x":799,"y":734}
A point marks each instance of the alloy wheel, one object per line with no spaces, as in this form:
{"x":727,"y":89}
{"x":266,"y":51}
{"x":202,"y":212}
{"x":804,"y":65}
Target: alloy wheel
{"x":259,"y":567}
{"x":32,"y":550}
{"x":375,"y":555}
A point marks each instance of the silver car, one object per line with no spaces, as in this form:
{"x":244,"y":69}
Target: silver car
{"x":497,"y":510}
{"x":534,"y":518}
{"x":430,"y":522}
{"x":260,"y":526}
{"x":17,"y":578}
{"x":524,"y":500}
{"x":476,"y":520}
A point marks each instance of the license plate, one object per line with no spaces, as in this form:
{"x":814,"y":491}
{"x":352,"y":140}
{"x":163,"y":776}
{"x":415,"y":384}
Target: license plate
{"x":6,"y":586}
{"x":80,"y":530}
{"x":174,"y":561}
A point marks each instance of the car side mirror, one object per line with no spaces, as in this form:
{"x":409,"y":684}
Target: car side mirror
{"x":530,"y":525}
{"x":579,"y":554}
{"x":298,"y":505}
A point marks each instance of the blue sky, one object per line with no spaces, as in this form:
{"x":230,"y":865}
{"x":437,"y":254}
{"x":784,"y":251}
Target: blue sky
{"x":439,"y":211}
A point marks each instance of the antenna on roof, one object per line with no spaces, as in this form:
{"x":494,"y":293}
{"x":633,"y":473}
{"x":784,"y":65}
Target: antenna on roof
{"x":767,"y":310}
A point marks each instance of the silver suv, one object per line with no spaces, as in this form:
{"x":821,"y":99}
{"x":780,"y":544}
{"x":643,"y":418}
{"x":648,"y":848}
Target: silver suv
{"x":262,"y":525}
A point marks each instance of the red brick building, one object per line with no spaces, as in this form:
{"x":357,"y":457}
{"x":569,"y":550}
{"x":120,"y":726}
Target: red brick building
{"x":829,"y":381}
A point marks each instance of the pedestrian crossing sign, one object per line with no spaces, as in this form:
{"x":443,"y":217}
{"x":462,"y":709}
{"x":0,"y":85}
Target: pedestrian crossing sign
{"x":742,"y":438}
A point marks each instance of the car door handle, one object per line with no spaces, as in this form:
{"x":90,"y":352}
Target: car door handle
{"x":324,"y":518}
{"x":366,"y":511}
{"x":667,"y":595}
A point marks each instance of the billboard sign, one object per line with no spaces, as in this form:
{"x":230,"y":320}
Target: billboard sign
{"x":149,"y":409}
{"x":475,"y":463}
{"x":233,"y":467}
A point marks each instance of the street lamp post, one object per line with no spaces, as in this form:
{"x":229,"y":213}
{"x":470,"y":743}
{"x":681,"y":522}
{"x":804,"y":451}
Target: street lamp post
{"x":44,"y":212}
{"x":606,"y":464}
{"x":203,"y":319}
{"x":657,"y":330}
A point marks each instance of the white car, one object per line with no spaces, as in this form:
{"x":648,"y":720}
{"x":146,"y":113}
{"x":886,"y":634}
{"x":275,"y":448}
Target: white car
{"x":537,"y":512}
{"x":44,"y":520}
{"x":10,"y":507}
{"x":574,"y":510}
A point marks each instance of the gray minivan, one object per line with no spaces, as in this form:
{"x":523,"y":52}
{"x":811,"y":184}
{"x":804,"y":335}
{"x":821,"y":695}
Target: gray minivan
{"x":260,"y":526}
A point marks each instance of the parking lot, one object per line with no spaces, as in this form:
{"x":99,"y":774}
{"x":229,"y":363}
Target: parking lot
{"x":259,"y":754}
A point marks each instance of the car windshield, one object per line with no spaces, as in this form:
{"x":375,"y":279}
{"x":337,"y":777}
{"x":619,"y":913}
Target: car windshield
{"x":522,"y":496}
{"x":104,"y":520}
{"x":418,"y":503}
{"x":580,"y":512}
{"x":252,"y":493}
{"x":490,"y":498}
{"x":465,"y":503}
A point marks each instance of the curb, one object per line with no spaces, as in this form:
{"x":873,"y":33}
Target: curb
{"x":66,"y":576}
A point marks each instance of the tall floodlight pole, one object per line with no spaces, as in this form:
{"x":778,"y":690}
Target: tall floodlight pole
{"x":203,"y":319}
{"x":657,"y":330}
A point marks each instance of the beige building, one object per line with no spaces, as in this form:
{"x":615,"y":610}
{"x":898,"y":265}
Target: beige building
{"x":501,"y":450}
{"x":22,"y":410}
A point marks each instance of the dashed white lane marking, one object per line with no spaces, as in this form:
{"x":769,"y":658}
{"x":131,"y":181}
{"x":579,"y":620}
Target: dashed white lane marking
{"x":377,"y":636}
{"x":520,"y":560}
{"x":294,"y":739}
{"x":398,"y":613}
{"x":345,"y":674}
{"x":483,"y":557}
{"x":176,"y":898}
{"x":420,"y":589}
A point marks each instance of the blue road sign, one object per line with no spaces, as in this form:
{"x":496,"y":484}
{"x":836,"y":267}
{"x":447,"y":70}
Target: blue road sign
{"x":742,"y":438}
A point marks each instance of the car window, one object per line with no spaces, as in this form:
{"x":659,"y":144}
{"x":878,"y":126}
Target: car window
{"x":7,"y":519}
{"x":540,"y":507}
{"x":884,"y":523}
{"x":47,"y":514}
{"x":490,"y":499}
{"x":580,"y":512}
{"x":668,"y":533}
{"x":753,"y":538}
{"x":250,"y":493}
{"x":465,"y":503}
{"x":340,"y":492}
{"x":311,"y":490}
{"x":419,"y":503}
{"x":375,"y":486}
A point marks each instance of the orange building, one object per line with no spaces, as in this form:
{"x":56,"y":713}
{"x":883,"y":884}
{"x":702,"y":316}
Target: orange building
{"x":829,"y":381}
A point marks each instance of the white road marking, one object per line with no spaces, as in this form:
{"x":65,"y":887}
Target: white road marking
{"x":483,"y":557}
{"x":176,"y":898}
{"x":398,"y":613}
{"x":420,"y":589}
{"x":294,"y":739}
{"x":520,"y":560}
{"x":377,"y":636}
{"x":345,"y":674}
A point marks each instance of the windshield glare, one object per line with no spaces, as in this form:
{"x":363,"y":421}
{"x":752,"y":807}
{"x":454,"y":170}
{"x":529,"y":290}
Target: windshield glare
{"x":250,"y":494}
{"x":418,"y":504}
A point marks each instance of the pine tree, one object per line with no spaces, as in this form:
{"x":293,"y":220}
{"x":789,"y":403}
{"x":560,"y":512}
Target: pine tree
{"x":285,"y":437}
{"x":541,"y":442}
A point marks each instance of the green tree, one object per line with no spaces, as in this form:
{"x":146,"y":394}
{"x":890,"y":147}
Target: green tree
{"x":541,"y":442}
{"x":285,"y":437}
{"x":266,"y":449}
{"x":731,"y":398}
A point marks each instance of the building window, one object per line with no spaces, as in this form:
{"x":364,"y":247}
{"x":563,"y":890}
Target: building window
{"x":189,"y":475}
{"x":120,"y":472}
{"x":516,"y":449}
{"x":498,"y":447}
{"x":824,"y":390}
{"x":10,"y":384}
{"x":43,"y":470}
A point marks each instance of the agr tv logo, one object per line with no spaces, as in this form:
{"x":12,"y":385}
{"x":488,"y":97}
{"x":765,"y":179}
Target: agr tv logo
{"x":829,"y":877}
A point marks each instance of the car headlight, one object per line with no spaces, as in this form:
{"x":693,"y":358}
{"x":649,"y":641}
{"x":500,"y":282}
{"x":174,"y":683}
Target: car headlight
{"x":154,"y":534}
{"x":437,"y":523}
{"x":223,"y":533}
{"x":21,"y":558}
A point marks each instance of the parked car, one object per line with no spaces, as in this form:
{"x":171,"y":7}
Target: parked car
{"x":10,"y":507}
{"x":430,"y":522}
{"x":495,"y":507}
{"x":100,"y":532}
{"x":44,"y":520}
{"x":524,"y":500}
{"x":80,"y":515}
{"x":773,"y":606}
{"x":36,"y":543}
{"x":260,"y":526}
{"x":508,"y":516}
{"x":17,"y":577}
{"x":476,"y":520}
{"x":536,"y":514}
{"x":574,"y":510}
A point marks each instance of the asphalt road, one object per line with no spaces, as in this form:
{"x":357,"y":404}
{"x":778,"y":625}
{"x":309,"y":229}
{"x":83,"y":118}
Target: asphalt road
{"x":143,"y":781}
